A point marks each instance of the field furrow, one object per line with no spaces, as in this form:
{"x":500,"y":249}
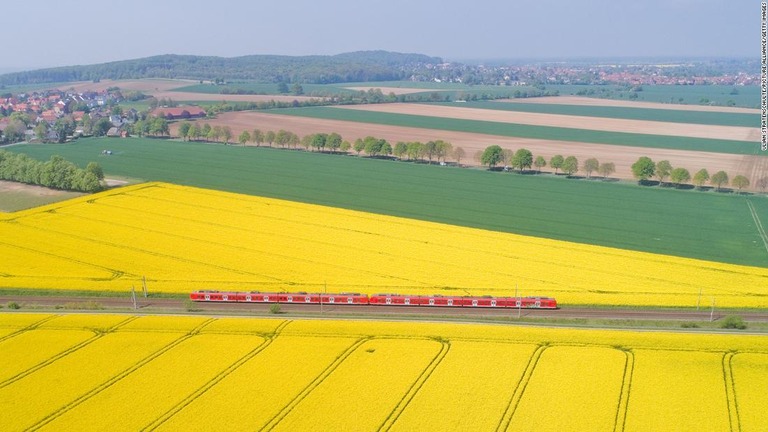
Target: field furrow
{"x":457,"y":397}
{"x":16,"y":360}
{"x":368,"y":386}
{"x":262,"y":386}
{"x":589,"y":381}
{"x":31,"y":400}
{"x":749,"y":372}
{"x":181,"y":370}
{"x":685,"y":389}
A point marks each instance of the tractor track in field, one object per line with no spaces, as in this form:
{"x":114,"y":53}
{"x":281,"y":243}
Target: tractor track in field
{"x":173,"y":305}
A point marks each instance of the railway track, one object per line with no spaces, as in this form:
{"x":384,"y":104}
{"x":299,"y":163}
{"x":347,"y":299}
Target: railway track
{"x":172,"y":305}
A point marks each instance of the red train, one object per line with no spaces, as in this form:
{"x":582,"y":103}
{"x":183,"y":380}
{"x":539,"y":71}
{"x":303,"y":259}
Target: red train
{"x":377,"y":299}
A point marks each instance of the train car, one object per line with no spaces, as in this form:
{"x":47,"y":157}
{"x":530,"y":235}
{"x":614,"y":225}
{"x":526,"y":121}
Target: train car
{"x":376,"y":299}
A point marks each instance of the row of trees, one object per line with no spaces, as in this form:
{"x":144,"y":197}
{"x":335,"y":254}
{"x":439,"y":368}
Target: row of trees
{"x":56,"y":173}
{"x":437,"y":151}
{"x":523,"y":159}
{"x":194,"y":132}
{"x":645,"y":168}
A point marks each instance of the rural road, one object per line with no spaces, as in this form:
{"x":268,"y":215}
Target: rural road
{"x":164,"y":305}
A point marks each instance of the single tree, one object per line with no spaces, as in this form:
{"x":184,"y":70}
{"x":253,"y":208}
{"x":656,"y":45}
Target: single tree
{"x":282,"y":87}
{"x":415,"y":150}
{"x":244,"y":137}
{"x":345,"y":146}
{"x":258,"y":137}
{"x":359,"y":145}
{"x":226,"y":133}
{"x":459,"y":154}
{"x":591,"y":165}
{"x":491,"y":156}
{"x":506,"y":156}
{"x":297,"y":89}
{"x":556,"y":162}
{"x":333,"y":142}
{"x":269,"y":137}
{"x":41,"y":130}
{"x":95,"y":168}
{"x":719,"y":179}
{"x":606,"y":168}
{"x":571,"y":165}
{"x":522,"y":159}
{"x":194,"y":132}
{"x":740,"y":182}
{"x":400,"y":150}
{"x":644,"y":168}
{"x":539,"y":163}
{"x":430,"y":150}
{"x":701,"y":177}
{"x":206,"y":130}
{"x":184,"y":129}
{"x":663,"y":170}
{"x":442,"y":149}
{"x":679,"y":176}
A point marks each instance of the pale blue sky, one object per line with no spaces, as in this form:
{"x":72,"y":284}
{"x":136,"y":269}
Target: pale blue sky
{"x":67,"y":32}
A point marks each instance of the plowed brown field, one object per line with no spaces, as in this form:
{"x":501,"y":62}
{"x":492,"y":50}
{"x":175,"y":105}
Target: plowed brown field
{"x":753,"y":167}
{"x":569,"y":121}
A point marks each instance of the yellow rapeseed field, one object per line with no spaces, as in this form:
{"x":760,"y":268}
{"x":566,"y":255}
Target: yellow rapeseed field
{"x":589,"y":379}
{"x":200,"y":373}
{"x":181,"y":239}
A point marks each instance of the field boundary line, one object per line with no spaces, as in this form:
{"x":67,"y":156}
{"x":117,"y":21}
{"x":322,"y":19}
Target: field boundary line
{"x":52,"y":359}
{"x":522,"y":384}
{"x":760,"y":230}
{"x":730,"y":392}
{"x":267,"y":341}
{"x":280,"y":415}
{"x":116,"y":378}
{"x":626,"y":386}
{"x":32,"y":326}
{"x":414,"y":389}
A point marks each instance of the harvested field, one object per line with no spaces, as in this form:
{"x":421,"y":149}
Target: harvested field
{"x":17,"y":196}
{"x":160,"y":88}
{"x":189,"y":96}
{"x":581,"y":100}
{"x":569,"y":121}
{"x":751,"y":166}
{"x":148,"y":86}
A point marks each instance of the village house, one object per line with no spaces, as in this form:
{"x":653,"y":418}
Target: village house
{"x":180,"y":113}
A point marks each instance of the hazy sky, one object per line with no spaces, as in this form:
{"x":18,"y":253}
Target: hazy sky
{"x":67,"y":32}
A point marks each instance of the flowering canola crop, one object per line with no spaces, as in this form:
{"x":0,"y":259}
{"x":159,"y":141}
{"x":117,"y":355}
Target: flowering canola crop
{"x":175,"y":373}
{"x":181,"y":239}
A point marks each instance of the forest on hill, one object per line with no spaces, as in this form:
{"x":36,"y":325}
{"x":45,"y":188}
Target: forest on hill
{"x":317,"y":69}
